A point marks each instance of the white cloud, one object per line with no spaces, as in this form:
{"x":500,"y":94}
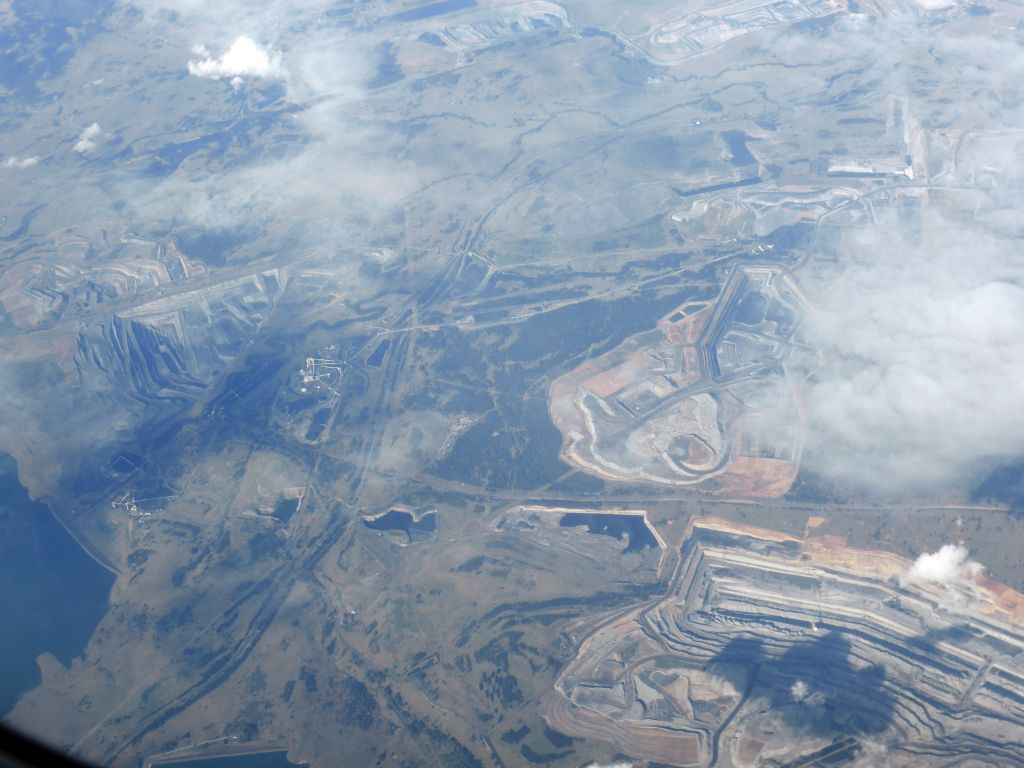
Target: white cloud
{"x":875,"y":755}
{"x":921,"y":320}
{"x":949,"y":566}
{"x":801,"y":693}
{"x":346,"y":171}
{"x":611,"y":765}
{"x":20,"y":162}
{"x":924,"y":387}
{"x":86,"y":141}
{"x":332,"y":181}
{"x":243,"y":58}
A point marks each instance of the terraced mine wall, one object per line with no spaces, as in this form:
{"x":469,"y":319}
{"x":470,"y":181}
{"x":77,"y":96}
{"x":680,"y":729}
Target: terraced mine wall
{"x":769,"y":646}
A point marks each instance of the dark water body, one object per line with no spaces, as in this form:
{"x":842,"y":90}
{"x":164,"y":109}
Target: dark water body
{"x":285,"y":509}
{"x":259,"y":760}
{"x":319,"y":423}
{"x":737,"y":143}
{"x":52,"y":594}
{"x":616,"y":526}
{"x":377,"y":357}
{"x":399,"y":520}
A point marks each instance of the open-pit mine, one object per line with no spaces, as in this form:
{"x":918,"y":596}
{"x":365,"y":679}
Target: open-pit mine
{"x":772,"y":649}
{"x":678,"y":405}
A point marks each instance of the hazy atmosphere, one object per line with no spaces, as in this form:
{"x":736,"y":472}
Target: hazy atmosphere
{"x":485,"y":383}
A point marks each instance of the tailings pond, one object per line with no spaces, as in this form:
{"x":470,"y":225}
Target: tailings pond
{"x":632,"y":526}
{"x":251,"y":760}
{"x":416,"y":527}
